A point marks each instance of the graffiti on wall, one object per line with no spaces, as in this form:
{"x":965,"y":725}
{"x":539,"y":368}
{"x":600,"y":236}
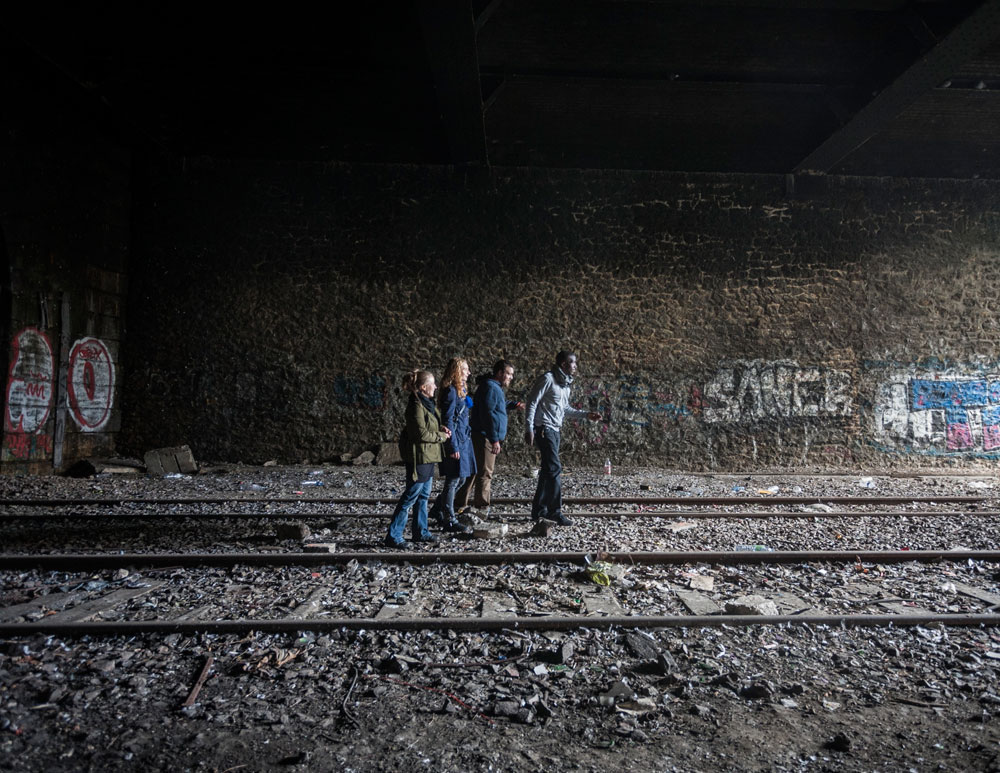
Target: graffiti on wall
{"x":371,"y":392}
{"x":30,"y":395}
{"x":90,"y":384}
{"x":758,"y":390}
{"x":925,"y":413}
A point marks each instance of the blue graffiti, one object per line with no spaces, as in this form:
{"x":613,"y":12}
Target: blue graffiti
{"x":360,"y":393}
{"x":955,"y":399}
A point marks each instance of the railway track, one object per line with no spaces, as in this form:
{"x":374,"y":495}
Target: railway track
{"x":637,"y":500}
{"x":7,"y":518}
{"x":108,"y":511}
{"x":158,"y":571}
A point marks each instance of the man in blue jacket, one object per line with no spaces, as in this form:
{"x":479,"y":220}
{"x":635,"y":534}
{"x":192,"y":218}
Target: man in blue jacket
{"x":548,"y":405}
{"x":488,"y":421}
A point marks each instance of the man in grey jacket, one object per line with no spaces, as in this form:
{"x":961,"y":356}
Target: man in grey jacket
{"x":547,"y":406}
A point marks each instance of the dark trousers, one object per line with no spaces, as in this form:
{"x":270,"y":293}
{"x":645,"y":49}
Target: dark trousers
{"x":548,"y":495}
{"x":482,"y":482}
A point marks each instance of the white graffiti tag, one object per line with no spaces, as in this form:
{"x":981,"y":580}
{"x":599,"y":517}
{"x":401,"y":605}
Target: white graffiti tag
{"x":91,"y":384}
{"x":29,"y":383}
{"x":757,"y":390}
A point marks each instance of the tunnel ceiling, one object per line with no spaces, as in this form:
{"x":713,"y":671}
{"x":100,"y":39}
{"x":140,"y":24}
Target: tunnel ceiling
{"x":862,"y":87}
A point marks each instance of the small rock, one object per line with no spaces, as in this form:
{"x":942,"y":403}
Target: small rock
{"x":641,"y":645}
{"x":365,"y":457}
{"x":757,"y":691}
{"x":839,"y":743}
{"x":320,"y":547}
{"x":617,"y":692}
{"x":702,"y":582}
{"x":506,"y":708}
{"x":751,"y":605}
{"x":393,"y":665}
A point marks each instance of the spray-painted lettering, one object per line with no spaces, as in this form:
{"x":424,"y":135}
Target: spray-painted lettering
{"x":29,"y":382}
{"x":753,"y":391}
{"x":22,"y":446}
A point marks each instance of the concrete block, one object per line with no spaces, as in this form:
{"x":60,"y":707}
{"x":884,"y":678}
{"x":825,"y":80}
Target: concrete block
{"x":388,"y":453}
{"x":490,"y":531}
{"x":161,"y":461}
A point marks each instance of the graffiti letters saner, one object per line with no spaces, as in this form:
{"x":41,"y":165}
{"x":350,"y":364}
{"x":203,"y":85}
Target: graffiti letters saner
{"x":758,"y":390}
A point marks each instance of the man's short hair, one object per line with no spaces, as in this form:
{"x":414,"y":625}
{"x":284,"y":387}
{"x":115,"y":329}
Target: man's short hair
{"x":563,"y":356}
{"x":500,"y":366}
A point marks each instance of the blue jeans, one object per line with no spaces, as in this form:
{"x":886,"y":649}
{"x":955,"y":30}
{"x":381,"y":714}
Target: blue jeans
{"x":444,"y":505}
{"x":548,"y":495}
{"x":415,"y":494}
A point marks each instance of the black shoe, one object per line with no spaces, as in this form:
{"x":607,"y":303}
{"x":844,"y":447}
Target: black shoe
{"x":389,"y":542}
{"x":457,"y":528}
{"x":427,"y":538}
{"x":561,"y":519}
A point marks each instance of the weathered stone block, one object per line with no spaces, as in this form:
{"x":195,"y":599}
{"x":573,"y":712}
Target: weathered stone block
{"x":161,"y":461}
{"x":388,"y":453}
{"x":366,"y":457}
{"x":490,"y":531}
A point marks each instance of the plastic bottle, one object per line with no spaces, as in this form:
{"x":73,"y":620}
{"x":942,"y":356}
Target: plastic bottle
{"x":755,"y":548}
{"x":607,"y":466}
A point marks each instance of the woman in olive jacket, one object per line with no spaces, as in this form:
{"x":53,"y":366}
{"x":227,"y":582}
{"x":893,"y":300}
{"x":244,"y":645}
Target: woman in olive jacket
{"x":420,"y":445}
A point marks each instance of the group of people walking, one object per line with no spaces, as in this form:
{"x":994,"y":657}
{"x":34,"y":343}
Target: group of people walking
{"x":464,"y":435}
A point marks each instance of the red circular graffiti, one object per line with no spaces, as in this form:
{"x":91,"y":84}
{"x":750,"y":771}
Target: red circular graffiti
{"x":91,"y":384}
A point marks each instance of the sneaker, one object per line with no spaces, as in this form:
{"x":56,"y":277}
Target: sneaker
{"x":561,"y":519}
{"x":389,"y":542}
{"x":457,"y":528}
{"x":425,"y":538}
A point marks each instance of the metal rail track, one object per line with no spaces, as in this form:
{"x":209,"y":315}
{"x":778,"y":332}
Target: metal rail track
{"x":89,"y":562}
{"x":546,"y":623}
{"x":689,"y":501}
{"x":615,"y":515}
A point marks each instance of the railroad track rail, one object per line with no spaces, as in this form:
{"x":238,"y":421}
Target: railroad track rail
{"x":688,"y":501}
{"x":90,"y":562}
{"x":605,"y":515}
{"x":549,"y":623}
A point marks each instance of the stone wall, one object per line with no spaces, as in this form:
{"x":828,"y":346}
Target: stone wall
{"x":65,"y":220}
{"x":722,"y":322}
{"x":66,"y":247}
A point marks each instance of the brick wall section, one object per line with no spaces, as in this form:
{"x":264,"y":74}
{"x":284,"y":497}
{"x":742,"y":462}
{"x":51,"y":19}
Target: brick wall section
{"x":720,"y":323}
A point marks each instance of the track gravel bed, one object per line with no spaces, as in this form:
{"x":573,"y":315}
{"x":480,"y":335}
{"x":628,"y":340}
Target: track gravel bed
{"x":788,"y":698}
